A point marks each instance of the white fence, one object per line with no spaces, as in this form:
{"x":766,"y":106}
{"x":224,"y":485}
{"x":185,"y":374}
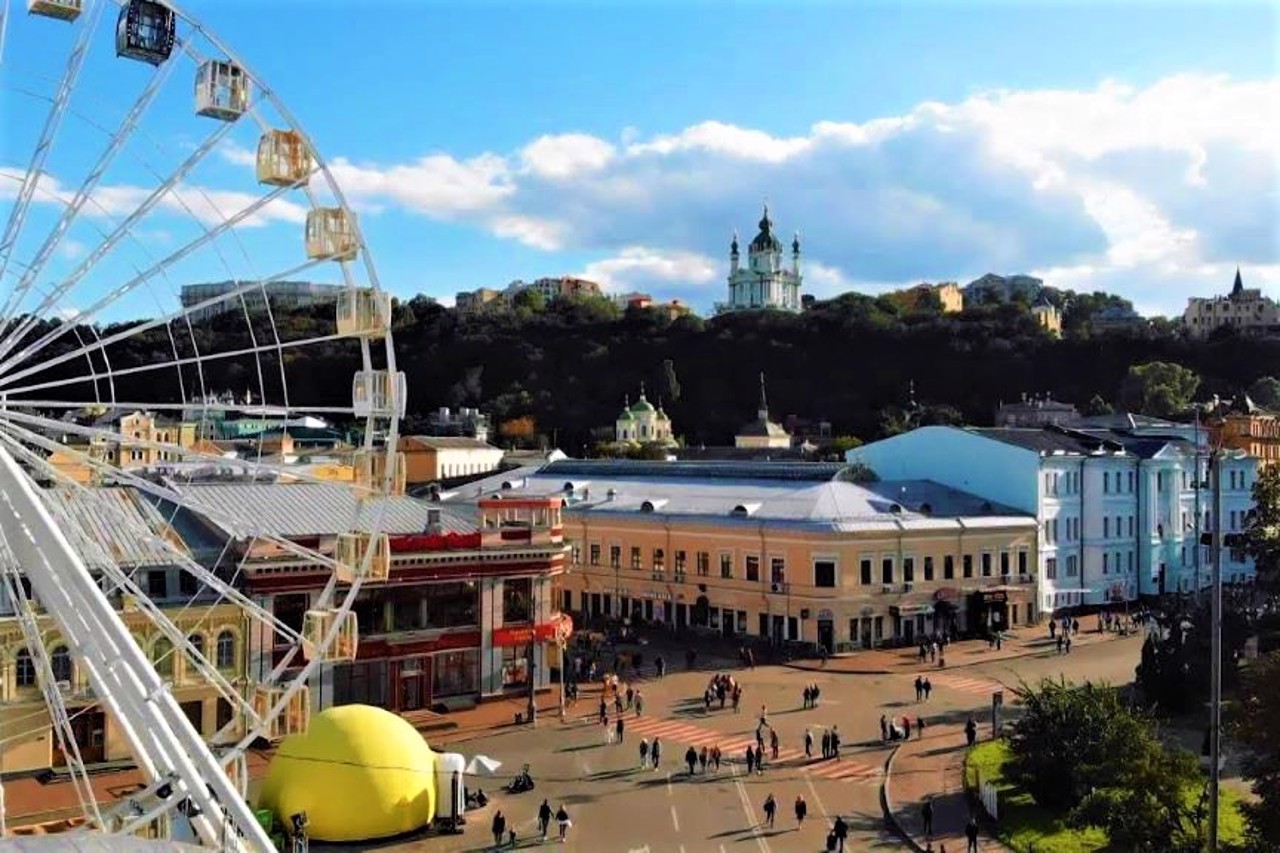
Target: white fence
{"x":990,"y":798}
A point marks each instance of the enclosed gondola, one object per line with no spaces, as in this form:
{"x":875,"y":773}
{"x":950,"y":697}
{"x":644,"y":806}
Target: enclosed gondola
{"x":331,"y":234}
{"x":145,"y":31}
{"x":283,"y":159}
{"x":63,"y":10}
{"x":351,"y":550}
{"x":364,"y":312}
{"x":222,"y":90}
{"x":316,"y":625}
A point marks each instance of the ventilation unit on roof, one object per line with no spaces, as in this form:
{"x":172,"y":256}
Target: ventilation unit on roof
{"x":745,"y":510}
{"x":508,"y":485}
{"x":651,"y":506}
{"x":896,"y":509}
{"x":611,"y":494}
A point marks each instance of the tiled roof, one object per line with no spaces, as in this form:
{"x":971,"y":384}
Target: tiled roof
{"x":1082,"y":442}
{"x":108,"y":524}
{"x":444,"y":442}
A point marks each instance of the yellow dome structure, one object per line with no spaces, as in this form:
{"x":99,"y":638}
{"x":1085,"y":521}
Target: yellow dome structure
{"x":358,"y":773}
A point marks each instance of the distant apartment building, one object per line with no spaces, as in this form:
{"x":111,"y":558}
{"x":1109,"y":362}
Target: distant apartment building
{"x":1246,"y":310}
{"x":429,"y":459}
{"x":281,"y":295}
{"x":471,"y":423}
{"x":1114,"y":318}
{"x":1037,"y":410}
{"x":1000,"y":288}
{"x":557,"y":287}
{"x":947,"y":293}
{"x":1047,"y":316}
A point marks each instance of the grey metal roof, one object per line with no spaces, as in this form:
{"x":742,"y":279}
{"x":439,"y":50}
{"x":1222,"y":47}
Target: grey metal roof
{"x":90,"y":843}
{"x":309,"y":509}
{"x":828,"y":504}
{"x":108,"y":524}
{"x":801,"y":471}
{"x":446,"y":442}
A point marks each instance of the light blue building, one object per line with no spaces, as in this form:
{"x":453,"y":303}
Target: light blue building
{"x":1120,"y":512}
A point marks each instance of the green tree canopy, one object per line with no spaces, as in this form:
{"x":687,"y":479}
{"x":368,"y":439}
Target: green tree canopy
{"x":1256,"y":725}
{"x":1265,"y":391}
{"x":1159,"y":388}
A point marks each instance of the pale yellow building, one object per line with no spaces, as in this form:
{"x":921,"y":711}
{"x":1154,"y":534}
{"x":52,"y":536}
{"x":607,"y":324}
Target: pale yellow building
{"x":1048,"y":316}
{"x":788,"y":551}
{"x":1244,"y":309}
{"x":762,"y":433}
{"x":430,"y":458}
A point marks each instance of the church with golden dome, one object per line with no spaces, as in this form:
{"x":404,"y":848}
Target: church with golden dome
{"x":643,"y":423}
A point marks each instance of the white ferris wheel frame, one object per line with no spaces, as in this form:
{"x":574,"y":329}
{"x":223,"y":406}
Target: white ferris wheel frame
{"x":167,"y":748}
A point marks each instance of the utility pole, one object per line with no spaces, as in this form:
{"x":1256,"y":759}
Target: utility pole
{"x":532,"y":712}
{"x":1215,"y":677}
{"x":1199,"y":518}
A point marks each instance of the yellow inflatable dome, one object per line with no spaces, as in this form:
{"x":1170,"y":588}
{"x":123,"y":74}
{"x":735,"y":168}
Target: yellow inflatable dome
{"x":358,"y":772}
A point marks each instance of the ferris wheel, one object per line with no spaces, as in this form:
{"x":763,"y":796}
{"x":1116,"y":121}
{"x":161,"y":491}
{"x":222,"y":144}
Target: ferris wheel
{"x":172,"y":265}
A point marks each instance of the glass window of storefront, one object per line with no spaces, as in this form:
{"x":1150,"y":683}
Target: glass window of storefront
{"x":408,"y":612}
{"x":452,"y":605}
{"x":455,"y":673}
{"x":516,"y":596}
{"x":515,"y":666}
{"x":360,"y":683}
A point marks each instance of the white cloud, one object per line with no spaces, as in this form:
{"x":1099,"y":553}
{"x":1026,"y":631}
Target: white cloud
{"x":643,"y":267}
{"x":566,"y":156}
{"x":436,"y":185}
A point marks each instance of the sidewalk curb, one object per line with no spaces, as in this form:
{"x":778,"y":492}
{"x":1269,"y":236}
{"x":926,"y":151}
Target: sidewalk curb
{"x":886,"y":806}
{"x":908,"y":670}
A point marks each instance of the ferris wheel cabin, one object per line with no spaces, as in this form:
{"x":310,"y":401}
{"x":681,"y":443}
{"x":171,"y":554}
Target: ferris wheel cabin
{"x":222,"y":90}
{"x":294,"y":718}
{"x":145,"y":31}
{"x":378,"y":393}
{"x":364,"y":312}
{"x":331,"y":234}
{"x":350,"y":553}
{"x":283,"y":159}
{"x":371,"y":472}
{"x":316,"y":625}
{"x":63,"y":10}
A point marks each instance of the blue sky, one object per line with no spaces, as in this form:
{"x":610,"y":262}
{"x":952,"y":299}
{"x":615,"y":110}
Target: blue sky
{"x":1128,"y":147}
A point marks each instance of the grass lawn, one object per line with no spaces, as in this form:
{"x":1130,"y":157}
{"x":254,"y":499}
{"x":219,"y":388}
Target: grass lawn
{"x":1027,"y":828}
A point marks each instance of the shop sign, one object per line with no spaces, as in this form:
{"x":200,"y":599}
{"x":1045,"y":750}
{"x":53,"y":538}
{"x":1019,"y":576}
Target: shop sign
{"x":997,"y":597}
{"x":524,"y":634}
{"x":826,"y":614}
{"x":946,"y":593}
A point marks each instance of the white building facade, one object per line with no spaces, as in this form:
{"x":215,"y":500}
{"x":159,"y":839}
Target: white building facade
{"x":764,"y":282}
{"x":1120,"y":515}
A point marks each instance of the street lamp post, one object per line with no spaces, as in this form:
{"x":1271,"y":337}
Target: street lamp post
{"x":1215,"y":665}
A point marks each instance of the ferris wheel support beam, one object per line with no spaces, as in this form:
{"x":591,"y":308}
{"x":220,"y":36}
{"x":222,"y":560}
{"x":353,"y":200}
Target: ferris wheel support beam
{"x":35,"y":168}
{"x":89,"y":313}
{"x":69,"y":213}
{"x":65,"y":587}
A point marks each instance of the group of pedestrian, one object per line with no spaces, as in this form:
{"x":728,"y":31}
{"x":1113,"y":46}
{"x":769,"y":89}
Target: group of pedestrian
{"x":892,"y":730}
{"x":747,"y":657}
{"x":721,"y":688}
{"x":770,"y":809}
{"x":1069,"y":627}
{"x":650,"y":753}
{"x":504,"y":835}
{"x":923,"y":688}
{"x":811,"y":694}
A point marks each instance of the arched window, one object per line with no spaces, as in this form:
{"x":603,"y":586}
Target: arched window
{"x":60,"y":658}
{"x":226,"y":650}
{"x":162,"y":657}
{"x":24,"y":669}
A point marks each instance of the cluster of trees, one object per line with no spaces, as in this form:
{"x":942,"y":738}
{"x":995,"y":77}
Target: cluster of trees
{"x":1085,"y":754}
{"x":567,"y":364}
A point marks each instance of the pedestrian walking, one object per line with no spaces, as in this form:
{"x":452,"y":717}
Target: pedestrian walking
{"x":604,"y":712}
{"x":919,"y":687}
{"x":971,"y":833}
{"x":759,"y":760}
{"x":835,"y":741}
{"x":715,"y":757}
{"x":544,"y":819}
{"x":691,"y":758}
{"x":919,"y":727}
{"x":816,"y":692}
{"x":639,"y":704}
{"x":499,"y":828}
{"x":702,"y":759}
{"x":619,"y":727}
{"x":562,"y":818}
{"x":971,"y":731}
{"x":808,"y":744}
{"x":841,"y":831}
{"x":1061,"y":639}
{"x":608,"y":732}
{"x":770,"y":809}
{"x":826,"y":743}
{"x":884,"y":729}
{"x":807,"y":697}
{"x":926,"y":814}
{"x":737,"y":699}
{"x":906,"y":728}
{"x":928,"y":688}
{"x":802,"y":810}
{"x":644,"y":753}
{"x":1068,"y":645}
{"x":655,"y":753}
{"x":751,"y":761}
{"x":773,"y":743}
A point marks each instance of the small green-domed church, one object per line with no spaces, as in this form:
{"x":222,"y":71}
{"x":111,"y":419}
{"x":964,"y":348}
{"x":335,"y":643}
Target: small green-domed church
{"x":641,"y":423}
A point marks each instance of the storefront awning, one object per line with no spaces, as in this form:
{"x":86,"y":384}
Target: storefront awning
{"x":911,"y":609}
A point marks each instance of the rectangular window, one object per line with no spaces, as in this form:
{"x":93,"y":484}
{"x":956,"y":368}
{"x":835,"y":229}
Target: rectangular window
{"x":1104,"y":562}
{"x":948,"y":567}
{"x":1004,"y":562}
{"x":928,"y":568}
{"x":777,"y":570}
{"x":681,"y":562}
{"x":1051,"y":568}
{"x":1131,"y":561}
{"x":1106,"y":527}
{"x":909,"y":569}
{"x":726,"y":565}
{"x":886,"y":570}
{"x":1022,"y":561}
{"x":1072,"y":567}
{"x":1131,"y":525}
{"x":864,"y":571}
{"x":752,"y":563}
{"x":575,"y":553}
{"x":594,"y":553}
{"x":1048,"y":531}
{"x":968,"y":565}
{"x":1131,"y":481}
{"x":659,"y":560}
{"x":615,"y":556}
{"x":157,"y":583}
{"x":986,"y":564}
{"x":1055,"y":530}
{"x":824,"y":573}
{"x":517,"y":596}
{"x":1106,"y":482}
{"x":704,"y":564}
{"x":636,"y":559}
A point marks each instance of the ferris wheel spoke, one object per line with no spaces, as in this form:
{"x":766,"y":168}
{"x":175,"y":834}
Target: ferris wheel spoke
{"x":184,"y":361}
{"x":69,"y":213}
{"x":196,"y":408}
{"x":57,"y":110}
{"x":138,"y":329}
